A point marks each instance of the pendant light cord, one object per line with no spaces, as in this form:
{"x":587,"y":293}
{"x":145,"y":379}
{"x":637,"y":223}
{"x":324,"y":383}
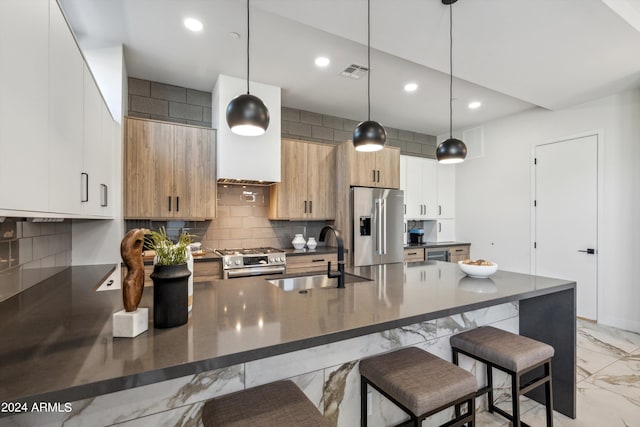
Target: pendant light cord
{"x":248,"y":29}
{"x":369,"y":60}
{"x":451,"y":71}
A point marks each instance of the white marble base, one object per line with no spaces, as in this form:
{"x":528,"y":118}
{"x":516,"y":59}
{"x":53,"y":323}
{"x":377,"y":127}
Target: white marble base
{"x":130,"y":324}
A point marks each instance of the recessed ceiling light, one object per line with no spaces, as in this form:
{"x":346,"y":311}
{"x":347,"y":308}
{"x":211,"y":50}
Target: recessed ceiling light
{"x":322,"y":61}
{"x":475,"y":104}
{"x":193,"y":24}
{"x":410,"y":87}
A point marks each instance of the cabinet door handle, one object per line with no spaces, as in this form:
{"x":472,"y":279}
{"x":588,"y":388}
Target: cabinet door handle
{"x":177,"y":203}
{"x":439,"y":209}
{"x":169,"y":203}
{"x":305,"y":206}
{"x":439,"y":227}
{"x":374,"y":174}
{"x":412,"y":253}
{"x":459,"y":250}
{"x":310,"y":206}
{"x":378,"y":172}
{"x":84,"y":185}
{"x":318,"y":260}
{"x":104,"y":196}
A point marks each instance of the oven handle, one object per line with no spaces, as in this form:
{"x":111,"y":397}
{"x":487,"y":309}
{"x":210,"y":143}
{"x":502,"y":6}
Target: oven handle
{"x":247,"y":272}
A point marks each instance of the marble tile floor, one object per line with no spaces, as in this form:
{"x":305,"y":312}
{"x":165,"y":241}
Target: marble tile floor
{"x":608,"y":383}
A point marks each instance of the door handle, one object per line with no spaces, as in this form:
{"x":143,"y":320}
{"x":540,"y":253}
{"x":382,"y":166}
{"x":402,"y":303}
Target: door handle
{"x":177,"y":203}
{"x":169,"y":203}
{"x":378,"y":175}
{"x":384,"y":224}
{"x":374,"y":174}
{"x":84,"y":184}
{"x":104,"y":196}
{"x":439,"y":209}
{"x":589,"y":251}
{"x":439,"y":227}
{"x":305,"y":206}
{"x":310,"y":206}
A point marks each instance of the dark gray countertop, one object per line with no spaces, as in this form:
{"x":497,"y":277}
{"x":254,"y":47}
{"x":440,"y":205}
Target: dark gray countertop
{"x":57,"y":340}
{"x":435,"y":244}
{"x":319,"y":250}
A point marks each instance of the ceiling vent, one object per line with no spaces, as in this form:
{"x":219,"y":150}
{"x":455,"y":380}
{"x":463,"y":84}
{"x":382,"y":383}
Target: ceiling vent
{"x":354,"y":71}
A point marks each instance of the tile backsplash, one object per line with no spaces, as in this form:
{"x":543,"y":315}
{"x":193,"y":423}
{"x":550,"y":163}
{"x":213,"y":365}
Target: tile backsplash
{"x":31,"y":252}
{"x":242,"y":222}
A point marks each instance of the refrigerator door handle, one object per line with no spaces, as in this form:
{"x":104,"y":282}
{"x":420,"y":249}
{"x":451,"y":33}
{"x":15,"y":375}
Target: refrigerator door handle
{"x":384,"y":225}
{"x":379,"y":246}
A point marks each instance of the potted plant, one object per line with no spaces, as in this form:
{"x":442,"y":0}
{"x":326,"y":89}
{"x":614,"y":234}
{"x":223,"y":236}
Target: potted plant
{"x":170,"y":279}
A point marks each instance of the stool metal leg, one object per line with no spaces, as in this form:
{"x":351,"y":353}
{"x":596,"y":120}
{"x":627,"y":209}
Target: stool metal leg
{"x":363,"y":402}
{"x":490,"y":386}
{"x":515,"y":397}
{"x":548,"y":394}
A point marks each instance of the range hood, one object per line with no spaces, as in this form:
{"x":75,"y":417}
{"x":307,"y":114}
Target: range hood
{"x":251,"y":160}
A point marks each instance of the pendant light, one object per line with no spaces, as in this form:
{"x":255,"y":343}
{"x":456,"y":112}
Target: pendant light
{"x":452,"y":150}
{"x":369,"y":135}
{"x":246,"y":114}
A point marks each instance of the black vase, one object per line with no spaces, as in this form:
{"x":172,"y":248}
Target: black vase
{"x":170,"y":295}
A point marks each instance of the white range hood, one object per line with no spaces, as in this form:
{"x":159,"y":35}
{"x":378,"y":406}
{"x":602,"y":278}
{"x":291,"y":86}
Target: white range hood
{"x":246,"y":159}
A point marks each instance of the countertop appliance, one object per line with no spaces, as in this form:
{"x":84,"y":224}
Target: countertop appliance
{"x":416,"y":235}
{"x":378,"y":225}
{"x":251,"y":262}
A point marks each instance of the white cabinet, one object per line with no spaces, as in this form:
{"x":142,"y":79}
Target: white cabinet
{"x":65,"y":116}
{"x":429,"y":188}
{"x":444,"y":230}
{"x":446,"y":191}
{"x":24,"y":110}
{"x":48,"y":112}
{"x":98,"y":153}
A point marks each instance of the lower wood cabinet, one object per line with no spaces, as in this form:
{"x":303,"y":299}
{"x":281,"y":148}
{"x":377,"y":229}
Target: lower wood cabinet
{"x":458,"y":253}
{"x":202,"y":272}
{"x":311,"y":263}
{"x":413,"y":254}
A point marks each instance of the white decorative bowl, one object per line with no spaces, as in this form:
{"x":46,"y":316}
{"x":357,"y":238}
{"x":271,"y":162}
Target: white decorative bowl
{"x":478,"y":271}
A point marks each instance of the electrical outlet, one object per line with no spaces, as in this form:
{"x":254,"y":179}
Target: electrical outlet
{"x":370,"y":403}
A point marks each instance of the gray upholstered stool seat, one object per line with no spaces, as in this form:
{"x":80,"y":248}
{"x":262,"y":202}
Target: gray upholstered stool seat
{"x":418,"y":382}
{"x":511,"y":353}
{"x":275,"y":404}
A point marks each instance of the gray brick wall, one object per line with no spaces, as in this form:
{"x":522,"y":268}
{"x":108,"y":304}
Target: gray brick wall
{"x":153,"y":100}
{"x":308,"y":126}
{"x":159,"y":101}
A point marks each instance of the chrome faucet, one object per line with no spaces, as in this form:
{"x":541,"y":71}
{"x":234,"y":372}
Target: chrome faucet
{"x":340,"y":273}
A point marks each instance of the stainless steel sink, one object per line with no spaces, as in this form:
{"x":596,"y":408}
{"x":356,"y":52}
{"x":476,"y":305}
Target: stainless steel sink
{"x":303,"y":283}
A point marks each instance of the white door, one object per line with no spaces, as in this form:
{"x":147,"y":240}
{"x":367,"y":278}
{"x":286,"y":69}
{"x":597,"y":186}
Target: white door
{"x":566,"y":216}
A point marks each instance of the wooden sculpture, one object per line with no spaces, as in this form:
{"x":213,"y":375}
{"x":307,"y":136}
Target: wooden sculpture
{"x":133,"y":283}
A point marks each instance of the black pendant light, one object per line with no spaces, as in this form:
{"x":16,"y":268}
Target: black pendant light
{"x":369,"y":135}
{"x":246,"y":114}
{"x":452,"y":150}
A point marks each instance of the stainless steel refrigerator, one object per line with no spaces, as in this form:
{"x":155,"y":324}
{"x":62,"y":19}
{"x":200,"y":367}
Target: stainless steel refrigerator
{"x":377,"y":216}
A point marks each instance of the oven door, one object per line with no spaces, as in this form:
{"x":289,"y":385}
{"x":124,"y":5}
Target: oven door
{"x":253,"y":271}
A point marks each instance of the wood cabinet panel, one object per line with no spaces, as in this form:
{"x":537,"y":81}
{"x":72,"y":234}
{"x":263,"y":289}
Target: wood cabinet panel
{"x":388,"y":166}
{"x":169,"y":171}
{"x":363,"y":172}
{"x":311,"y":263}
{"x":414,"y":254}
{"x":307,"y":187}
{"x":458,"y":253}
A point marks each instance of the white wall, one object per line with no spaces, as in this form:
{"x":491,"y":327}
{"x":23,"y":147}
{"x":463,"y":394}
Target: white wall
{"x":493,"y":195}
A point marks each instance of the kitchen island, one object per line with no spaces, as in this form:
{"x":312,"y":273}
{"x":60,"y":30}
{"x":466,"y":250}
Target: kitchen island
{"x":57,"y":343}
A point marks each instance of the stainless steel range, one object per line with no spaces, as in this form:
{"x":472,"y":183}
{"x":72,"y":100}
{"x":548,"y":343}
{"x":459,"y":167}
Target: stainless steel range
{"x":252,"y":262}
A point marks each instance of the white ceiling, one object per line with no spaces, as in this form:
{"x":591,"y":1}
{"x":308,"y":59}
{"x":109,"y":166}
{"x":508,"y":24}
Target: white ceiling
{"x":510,"y":54}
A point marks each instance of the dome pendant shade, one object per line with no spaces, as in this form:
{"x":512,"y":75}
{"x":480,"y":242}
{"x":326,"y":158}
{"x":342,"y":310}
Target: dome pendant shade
{"x":247,"y":115}
{"x":369,"y":136}
{"x":451,"y":151}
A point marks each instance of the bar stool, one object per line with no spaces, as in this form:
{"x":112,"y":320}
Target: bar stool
{"x":276,"y":404}
{"x":511,"y":353}
{"x":420,"y":384}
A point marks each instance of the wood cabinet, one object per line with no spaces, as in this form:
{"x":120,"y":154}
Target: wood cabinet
{"x":307,"y":187}
{"x":429,"y":188}
{"x":44,"y":105}
{"x":169,"y":171}
{"x":413,"y":254}
{"x":458,"y":253}
{"x":378,"y":169}
{"x":311,"y":263}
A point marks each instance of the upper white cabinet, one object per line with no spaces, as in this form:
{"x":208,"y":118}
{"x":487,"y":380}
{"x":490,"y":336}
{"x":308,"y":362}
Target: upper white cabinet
{"x":24,"y":110}
{"x":65,"y":116}
{"x":56,"y":135}
{"x":429,"y":188}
